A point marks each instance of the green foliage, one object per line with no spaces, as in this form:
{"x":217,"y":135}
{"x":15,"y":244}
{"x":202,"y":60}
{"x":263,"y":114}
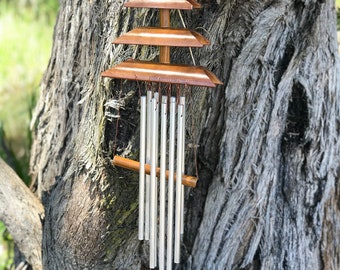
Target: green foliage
{"x":19,"y":164}
{"x":26,"y":29}
{"x":337,"y":5}
{"x":26,"y":38}
{"x":6,"y":249}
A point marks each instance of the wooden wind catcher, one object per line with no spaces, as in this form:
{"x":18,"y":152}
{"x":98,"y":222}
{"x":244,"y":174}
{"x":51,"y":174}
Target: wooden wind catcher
{"x":160,"y":161}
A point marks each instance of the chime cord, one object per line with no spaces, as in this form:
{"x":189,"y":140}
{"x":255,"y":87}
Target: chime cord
{"x":117,"y":121}
{"x":184,"y":25}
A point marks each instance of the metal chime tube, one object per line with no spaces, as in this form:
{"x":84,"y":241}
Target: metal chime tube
{"x":153,"y":190}
{"x":178,"y":184}
{"x":142,"y":167}
{"x":171,"y":182}
{"x":162,"y":184}
{"x":156,"y":97}
{"x":148,"y":160}
{"x":150,"y":120}
{"x":182,"y":102}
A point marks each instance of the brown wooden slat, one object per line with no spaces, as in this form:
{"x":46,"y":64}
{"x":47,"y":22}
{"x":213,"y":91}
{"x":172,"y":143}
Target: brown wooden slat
{"x":187,"y":180}
{"x":165,"y":73}
{"x":163,"y":4}
{"x":163,"y":37}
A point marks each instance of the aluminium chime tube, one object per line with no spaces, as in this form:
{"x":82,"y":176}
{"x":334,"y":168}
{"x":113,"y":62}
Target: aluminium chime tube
{"x":171,"y":180}
{"x":148,"y":160}
{"x":162,"y":196}
{"x":177,"y":246}
{"x":142,"y":167}
{"x":153,"y":190}
{"x":182,"y":101}
{"x":156,"y":97}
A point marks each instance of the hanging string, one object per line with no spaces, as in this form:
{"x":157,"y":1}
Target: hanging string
{"x":139,"y":89}
{"x":178,"y":92}
{"x":117,"y":121}
{"x":160,"y":90}
{"x":194,"y":145}
{"x":183,"y":24}
{"x":168,"y":94}
{"x":186,"y":90}
{"x":149,"y":87}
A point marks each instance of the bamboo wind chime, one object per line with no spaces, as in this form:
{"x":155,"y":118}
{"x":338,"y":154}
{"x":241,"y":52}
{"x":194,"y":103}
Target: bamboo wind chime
{"x":155,"y":111}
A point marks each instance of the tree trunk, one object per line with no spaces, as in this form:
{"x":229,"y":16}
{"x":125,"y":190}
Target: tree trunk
{"x":264,"y":145}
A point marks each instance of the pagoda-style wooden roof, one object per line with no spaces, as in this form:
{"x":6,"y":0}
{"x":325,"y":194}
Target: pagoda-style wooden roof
{"x":165,"y":73}
{"x":163,"y":4}
{"x":163,"y":37}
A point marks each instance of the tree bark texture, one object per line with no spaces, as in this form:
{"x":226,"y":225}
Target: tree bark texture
{"x":265,"y":144}
{"x":22,"y":213}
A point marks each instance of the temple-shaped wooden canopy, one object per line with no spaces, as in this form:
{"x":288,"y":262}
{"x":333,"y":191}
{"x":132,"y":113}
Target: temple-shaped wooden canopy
{"x":161,"y":72}
{"x":163,"y":36}
{"x":163,"y":4}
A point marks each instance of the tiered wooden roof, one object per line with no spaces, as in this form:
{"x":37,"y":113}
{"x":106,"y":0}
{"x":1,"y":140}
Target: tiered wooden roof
{"x":163,"y":4}
{"x":165,"y":37}
{"x":165,"y":73}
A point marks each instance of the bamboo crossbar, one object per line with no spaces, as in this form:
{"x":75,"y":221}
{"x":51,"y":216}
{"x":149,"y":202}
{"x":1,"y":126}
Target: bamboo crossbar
{"x":126,"y":163}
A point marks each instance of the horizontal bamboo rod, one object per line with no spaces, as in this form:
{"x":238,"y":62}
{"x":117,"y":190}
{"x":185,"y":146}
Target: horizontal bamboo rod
{"x":187,"y":180}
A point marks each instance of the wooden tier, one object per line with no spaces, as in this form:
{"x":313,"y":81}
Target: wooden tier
{"x":165,"y":73}
{"x":163,"y":37}
{"x":163,"y":4}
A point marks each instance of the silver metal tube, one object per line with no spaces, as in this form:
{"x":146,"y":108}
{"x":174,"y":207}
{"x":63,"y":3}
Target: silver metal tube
{"x":153,"y":191}
{"x":182,"y":102}
{"x":142,"y":167}
{"x":156,"y":97}
{"x":171,"y":182}
{"x":161,"y":246}
{"x":148,"y":160}
{"x":177,"y":248}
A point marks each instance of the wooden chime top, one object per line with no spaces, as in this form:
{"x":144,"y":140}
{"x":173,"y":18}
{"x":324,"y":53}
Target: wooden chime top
{"x":163,"y":4}
{"x":165,"y":73}
{"x":163,"y":37}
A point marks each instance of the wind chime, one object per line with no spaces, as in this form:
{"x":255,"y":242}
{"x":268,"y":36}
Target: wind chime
{"x":155,"y":112}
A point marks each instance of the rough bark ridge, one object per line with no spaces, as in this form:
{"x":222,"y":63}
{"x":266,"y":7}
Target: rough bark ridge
{"x":268,"y":200}
{"x":278,"y":168}
{"x":88,"y":216}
